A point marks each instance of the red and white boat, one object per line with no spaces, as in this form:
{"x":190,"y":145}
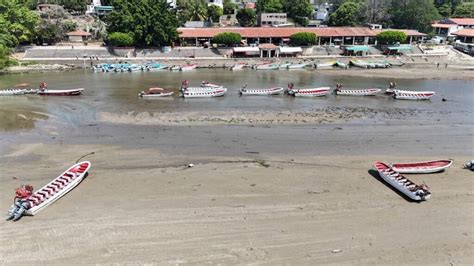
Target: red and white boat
{"x":401,"y":183}
{"x":54,"y":190}
{"x":188,"y":67}
{"x":261,"y":92}
{"x":412,"y":95}
{"x":238,"y":66}
{"x":421,"y":167}
{"x":71,"y":92}
{"x":155,"y":93}
{"x":314,"y":92}
{"x":203,"y":93}
{"x":357,"y":92}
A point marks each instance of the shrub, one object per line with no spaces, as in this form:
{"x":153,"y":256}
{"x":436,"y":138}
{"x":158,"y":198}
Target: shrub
{"x":391,"y":37}
{"x":227,"y":38}
{"x":303,"y":39}
{"x":214,"y":12}
{"x":120,"y":39}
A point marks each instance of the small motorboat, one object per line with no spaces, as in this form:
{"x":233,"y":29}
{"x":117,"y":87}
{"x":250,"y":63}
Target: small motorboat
{"x":155,"y":93}
{"x":325,"y":65}
{"x":359,"y":63}
{"x":356,"y":92}
{"x":284,"y":66}
{"x":421,"y":167}
{"x":298,"y":66}
{"x":207,"y":84}
{"x":268,"y":67}
{"x":19,"y":89}
{"x":401,"y":183}
{"x":71,"y":92}
{"x":203,"y":93}
{"x":238,"y":66}
{"x":51,"y":192}
{"x":341,"y":64}
{"x":413,"y":95}
{"x":188,"y":67}
{"x":313,"y":92}
{"x":260,"y":92}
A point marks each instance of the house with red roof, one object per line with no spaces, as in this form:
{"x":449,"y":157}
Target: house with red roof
{"x":78,"y":36}
{"x":447,"y":27}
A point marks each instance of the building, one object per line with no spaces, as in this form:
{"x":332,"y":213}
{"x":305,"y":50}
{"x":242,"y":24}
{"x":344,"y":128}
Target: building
{"x":465,"y":35}
{"x":228,"y":20}
{"x":79,"y":36}
{"x":446,"y":27}
{"x":272,"y":19}
{"x":96,"y":8}
{"x":279,"y":36}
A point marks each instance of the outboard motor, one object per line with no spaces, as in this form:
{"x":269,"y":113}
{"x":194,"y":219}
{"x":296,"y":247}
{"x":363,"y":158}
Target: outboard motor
{"x":20,"y":204}
{"x":469,"y":165}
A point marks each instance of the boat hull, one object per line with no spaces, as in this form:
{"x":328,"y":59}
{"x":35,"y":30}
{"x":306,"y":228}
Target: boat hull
{"x":413,"y":95}
{"x":204,"y":93}
{"x":261,"y":92}
{"x":73,"y":92}
{"x":363,"y":92}
{"x":421,"y":167}
{"x":316,"y":92}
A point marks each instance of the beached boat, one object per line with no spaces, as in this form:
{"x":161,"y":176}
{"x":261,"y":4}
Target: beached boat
{"x":378,"y":64}
{"x":135,"y":68}
{"x":313,"y":92}
{"x":298,"y":66}
{"x":71,"y":92}
{"x":188,"y":67}
{"x":17,"y":91}
{"x":413,"y":95}
{"x":268,"y":67}
{"x":325,"y":65}
{"x":359,"y":63}
{"x":204,"y":93}
{"x":284,"y":66}
{"x":175,"y":68}
{"x":401,"y":183}
{"x":469,"y":165}
{"x":357,"y":92}
{"x":155,"y":93}
{"x":53,"y":191}
{"x":207,"y":84}
{"x":421,"y":167}
{"x":261,"y":92}
{"x":156,"y":67}
{"x":341,"y":64}
{"x":238,"y":66}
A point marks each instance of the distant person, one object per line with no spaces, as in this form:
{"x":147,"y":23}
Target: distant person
{"x":446,"y":65}
{"x":438,"y":65}
{"x":43,"y":86}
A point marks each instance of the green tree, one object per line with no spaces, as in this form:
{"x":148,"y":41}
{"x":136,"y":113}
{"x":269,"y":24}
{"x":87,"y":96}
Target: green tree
{"x":348,"y":14}
{"x":49,"y":31}
{"x":247,"y":17}
{"x":269,"y":6}
{"x":413,"y":14}
{"x":303,"y":39}
{"x":18,"y":22}
{"x":214,"y":12}
{"x":198,"y":10}
{"x":464,"y":10}
{"x":120,"y":39}
{"x":445,"y":10}
{"x":391,"y":37}
{"x":150,"y":22}
{"x":229,"y":7}
{"x":227,"y":38}
{"x":299,"y":11}
{"x":375,"y":11}
{"x":4,"y":56}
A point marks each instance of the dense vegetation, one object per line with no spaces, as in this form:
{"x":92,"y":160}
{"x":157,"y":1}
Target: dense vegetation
{"x":391,"y":37}
{"x":150,"y":22}
{"x":303,"y":39}
{"x":120,"y":39}
{"x":227,"y":38}
{"x":247,"y":17}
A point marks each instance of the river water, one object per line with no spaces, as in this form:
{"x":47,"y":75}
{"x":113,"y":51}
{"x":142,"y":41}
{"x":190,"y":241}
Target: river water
{"x":117,"y":93}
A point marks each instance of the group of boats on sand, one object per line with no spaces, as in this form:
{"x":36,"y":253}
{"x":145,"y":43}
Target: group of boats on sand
{"x":207,"y":90}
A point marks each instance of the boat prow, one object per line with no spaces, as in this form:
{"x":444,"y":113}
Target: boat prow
{"x":71,"y":92}
{"x":422,"y":167}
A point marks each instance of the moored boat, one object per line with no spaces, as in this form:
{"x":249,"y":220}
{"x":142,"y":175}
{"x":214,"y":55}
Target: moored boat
{"x":413,"y":95}
{"x":51,"y":192}
{"x":421,"y":167}
{"x":298,"y":66}
{"x":284,"y":66}
{"x":312,"y":92}
{"x":207,"y":84}
{"x":359,"y":63}
{"x":155,"y":93}
{"x":401,"y":183}
{"x":203,"y":93}
{"x":260,"y":92}
{"x":341,"y":64}
{"x":238,"y":66}
{"x":71,"y":92}
{"x":356,"y":92}
{"x":268,"y":67}
{"x":188,"y":67}
{"x":325,"y":65}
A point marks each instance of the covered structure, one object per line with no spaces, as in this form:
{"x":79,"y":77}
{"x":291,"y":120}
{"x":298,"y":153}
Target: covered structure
{"x":268,"y":50}
{"x":245,"y":51}
{"x":78,"y":36}
{"x":289,"y":51}
{"x":356,"y":50}
{"x":465,"y":35}
{"x":391,"y":50}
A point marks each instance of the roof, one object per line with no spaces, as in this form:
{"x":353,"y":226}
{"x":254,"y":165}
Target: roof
{"x":400,"y":48}
{"x":104,"y":8}
{"x":357,"y":48}
{"x":290,"y":50}
{"x":267,"y":46}
{"x":463,"y":21}
{"x":274,"y":32}
{"x":246,"y":49}
{"x":78,"y":33}
{"x":440,"y":25}
{"x":465,"y":32}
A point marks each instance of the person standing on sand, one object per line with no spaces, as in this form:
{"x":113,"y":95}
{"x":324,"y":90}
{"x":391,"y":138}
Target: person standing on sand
{"x":437,"y":65}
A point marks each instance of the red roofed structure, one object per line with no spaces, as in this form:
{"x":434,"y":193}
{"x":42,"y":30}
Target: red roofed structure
{"x":78,"y":36}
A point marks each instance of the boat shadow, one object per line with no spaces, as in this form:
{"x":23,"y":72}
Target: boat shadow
{"x":376,"y":175}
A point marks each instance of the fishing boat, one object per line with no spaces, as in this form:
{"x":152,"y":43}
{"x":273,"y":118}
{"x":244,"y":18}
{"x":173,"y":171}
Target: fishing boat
{"x":238,"y":66}
{"x":421,"y":167}
{"x":268,"y":67}
{"x":71,"y":92}
{"x":379,"y":64}
{"x":401,"y":183}
{"x":313,"y":92}
{"x":298,"y":66}
{"x":341,"y":64}
{"x":413,"y":95}
{"x":325,"y":65}
{"x":359,"y":63}
{"x":135,"y":68}
{"x":207,"y":84}
{"x":204,"y":93}
{"x":155,"y":67}
{"x":188,"y":67}
{"x":53,"y":191}
{"x":175,"y":68}
{"x":390,"y":91}
{"x":155,"y":93}
{"x":357,"y":92}
{"x":284,"y":66}
{"x":12,"y":92}
{"x":260,"y":92}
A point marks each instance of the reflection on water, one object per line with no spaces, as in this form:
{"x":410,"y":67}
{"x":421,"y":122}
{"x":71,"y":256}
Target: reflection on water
{"x":117,"y":93}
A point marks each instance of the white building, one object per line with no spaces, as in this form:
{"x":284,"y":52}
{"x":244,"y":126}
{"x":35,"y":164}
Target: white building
{"x":321,"y":10}
{"x":218,"y":3}
{"x":96,"y":8}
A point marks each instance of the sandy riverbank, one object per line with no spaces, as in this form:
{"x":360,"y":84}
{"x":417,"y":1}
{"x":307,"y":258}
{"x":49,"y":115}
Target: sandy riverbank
{"x":139,"y":206}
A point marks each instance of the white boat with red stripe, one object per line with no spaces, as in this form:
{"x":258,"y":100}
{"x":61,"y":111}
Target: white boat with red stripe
{"x":57,"y":188}
{"x":313,"y":92}
{"x":71,"y":92}
{"x":401,"y":183}
{"x":412,"y":95}
{"x":203,"y":93}
{"x":355,"y":92}
{"x":422,"y":167}
{"x":261,"y":92}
